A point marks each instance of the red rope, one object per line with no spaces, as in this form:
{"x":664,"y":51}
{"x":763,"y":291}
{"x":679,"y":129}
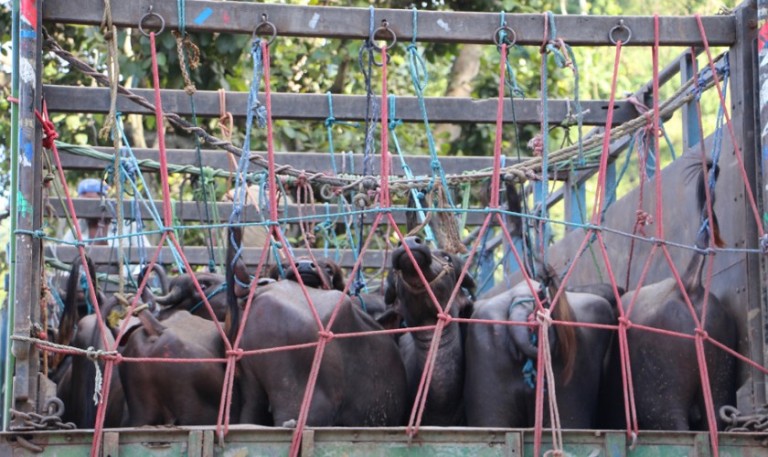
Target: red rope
{"x":731,"y":132}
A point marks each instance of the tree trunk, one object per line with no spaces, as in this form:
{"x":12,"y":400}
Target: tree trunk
{"x":465,"y":69}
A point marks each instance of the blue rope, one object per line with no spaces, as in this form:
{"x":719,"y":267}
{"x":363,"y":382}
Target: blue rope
{"x":239,"y":197}
{"x":371,"y":117}
{"x":221,"y":288}
{"x":415,"y":194}
{"x":330,"y":121}
{"x":147,"y":201}
{"x":84,"y":288}
{"x":419,"y":79}
{"x":181,"y":9}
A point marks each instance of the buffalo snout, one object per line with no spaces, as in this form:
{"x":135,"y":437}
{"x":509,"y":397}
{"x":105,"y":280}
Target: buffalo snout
{"x":420,"y":251}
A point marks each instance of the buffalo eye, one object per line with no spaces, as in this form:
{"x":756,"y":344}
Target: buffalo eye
{"x":447,"y":258}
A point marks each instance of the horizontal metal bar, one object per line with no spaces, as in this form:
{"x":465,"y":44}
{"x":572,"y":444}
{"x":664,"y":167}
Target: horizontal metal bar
{"x":434,"y":26}
{"x":194,"y":211}
{"x":318,"y":161}
{"x":199,"y":255}
{"x":76,"y":99}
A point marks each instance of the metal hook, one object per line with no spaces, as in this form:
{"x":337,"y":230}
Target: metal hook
{"x":508,"y":31}
{"x":384,"y":28}
{"x":148,"y":15}
{"x":265,"y":23}
{"x":617,"y":28}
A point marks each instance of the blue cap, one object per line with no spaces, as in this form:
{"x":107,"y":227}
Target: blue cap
{"x":92,"y":185}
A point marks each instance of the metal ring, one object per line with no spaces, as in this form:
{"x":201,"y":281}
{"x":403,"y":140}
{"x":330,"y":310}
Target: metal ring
{"x":507,"y":30}
{"x":384,"y":28}
{"x":616,"y":28}
{"x":265,"y":23}
{"x":148,"y":15}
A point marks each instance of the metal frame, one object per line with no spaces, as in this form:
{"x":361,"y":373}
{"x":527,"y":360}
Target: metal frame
{"x":234,"y":17}
{"x":433,"y":26}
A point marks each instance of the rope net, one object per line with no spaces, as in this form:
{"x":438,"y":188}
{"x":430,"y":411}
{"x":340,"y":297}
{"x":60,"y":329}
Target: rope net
{"x":534,"y":278}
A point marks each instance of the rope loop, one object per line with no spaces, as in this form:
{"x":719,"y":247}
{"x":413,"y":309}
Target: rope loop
{"x":625,"y":322}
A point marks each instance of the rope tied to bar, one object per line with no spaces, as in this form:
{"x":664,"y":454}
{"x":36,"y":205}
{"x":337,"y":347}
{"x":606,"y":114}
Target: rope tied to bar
{"x":93,"y":355}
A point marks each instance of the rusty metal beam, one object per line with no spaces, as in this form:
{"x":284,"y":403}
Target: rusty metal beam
{"x":353,"y":23}
{"x":70,"y":99}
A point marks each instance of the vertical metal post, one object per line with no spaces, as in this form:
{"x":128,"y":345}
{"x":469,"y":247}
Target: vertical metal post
{"x":25,"y":207}
{"x":575,"y":201}
{"x":747,"y":24}
{"x":691,"y":133}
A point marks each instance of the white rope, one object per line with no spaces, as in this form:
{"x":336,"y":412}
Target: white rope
{"x":545,"y":321}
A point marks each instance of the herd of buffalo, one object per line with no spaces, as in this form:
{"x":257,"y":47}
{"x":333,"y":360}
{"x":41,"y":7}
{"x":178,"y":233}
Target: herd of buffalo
{"x":484,"y":373}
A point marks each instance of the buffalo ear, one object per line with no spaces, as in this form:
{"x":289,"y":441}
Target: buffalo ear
{"x":390,"y":319}
{"x":469,"y":283}
{"x":338,"y":276}
{"x":273,"y":272}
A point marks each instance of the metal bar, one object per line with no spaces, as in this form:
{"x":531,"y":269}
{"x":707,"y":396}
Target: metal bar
{"x":27,"y":200}
{"x":72,"y":99}
{"x":751,"y":116}
{"x":353,"y":23}
{"x":193,"y":211}
{"x":691,"y":131}
{"x":199,"y":255}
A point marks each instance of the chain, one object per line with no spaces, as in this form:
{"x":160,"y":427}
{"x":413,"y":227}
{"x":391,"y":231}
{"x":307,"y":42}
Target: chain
{"x":31,"y":421}
{"x":738,"y":422}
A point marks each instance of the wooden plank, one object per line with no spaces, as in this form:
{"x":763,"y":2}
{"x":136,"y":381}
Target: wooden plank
{"x":77,"y":99}
{"x":420,"y":165}
{"x":194,"y":212}
{"x":198,"y":255}
{"x":353,"y":23}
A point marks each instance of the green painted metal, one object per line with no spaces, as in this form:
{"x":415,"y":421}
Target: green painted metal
{"x":245,"y":441}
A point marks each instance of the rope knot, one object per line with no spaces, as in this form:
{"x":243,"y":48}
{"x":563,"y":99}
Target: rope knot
{"x":700,"y":332}
{"x":325,"y":335}
{"x":536,"y":144}
{"x":764,"y":244}
{"x":544,"y":317}
{"x":625,"y":322}
{"x":447,"y":318}
{"x":643,"y":218}
{"x":50,"y":134}
{"x":237,"y":353}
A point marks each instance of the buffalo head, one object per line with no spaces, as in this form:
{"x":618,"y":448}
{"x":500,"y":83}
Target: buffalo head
{"x":183,"y":295}
{"x":440,"y":269}
{"x":317,"y":273}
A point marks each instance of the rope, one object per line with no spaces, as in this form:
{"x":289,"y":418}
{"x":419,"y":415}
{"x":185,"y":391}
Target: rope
{"x":523,"y":170}
{"x":545,"y":355}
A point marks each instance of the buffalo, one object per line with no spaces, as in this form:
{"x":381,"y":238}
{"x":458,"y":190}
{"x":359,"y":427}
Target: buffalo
{"x":500,"y":382}
{"x":361,"y":381}
{"x":665,"y":369}
{"x":442,"y":271}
